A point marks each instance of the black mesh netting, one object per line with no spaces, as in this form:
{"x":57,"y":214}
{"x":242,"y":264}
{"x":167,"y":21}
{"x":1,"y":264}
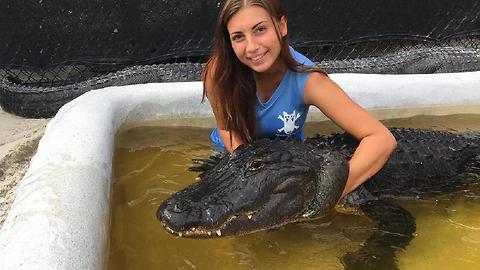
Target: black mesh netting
{"x":53,"y":42}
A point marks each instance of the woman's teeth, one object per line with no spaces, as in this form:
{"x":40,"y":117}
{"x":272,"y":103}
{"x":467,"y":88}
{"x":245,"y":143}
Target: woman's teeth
{"x":256,"y":58}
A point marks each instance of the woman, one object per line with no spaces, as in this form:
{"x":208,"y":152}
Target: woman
{"x":258,"y":86}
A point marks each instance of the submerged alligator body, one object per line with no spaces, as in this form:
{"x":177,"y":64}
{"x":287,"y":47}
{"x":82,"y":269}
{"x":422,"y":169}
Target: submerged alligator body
{"x":269,"y":183}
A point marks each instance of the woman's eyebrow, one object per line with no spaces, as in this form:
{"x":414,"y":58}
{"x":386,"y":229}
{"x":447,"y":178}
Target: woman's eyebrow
{"x":253,"y":27}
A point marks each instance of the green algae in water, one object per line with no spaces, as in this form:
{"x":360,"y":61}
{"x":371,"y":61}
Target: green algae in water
{"x":150,"y":164}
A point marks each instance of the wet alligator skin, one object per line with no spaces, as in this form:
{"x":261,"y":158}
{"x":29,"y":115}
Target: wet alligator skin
{"x":39,"y":102}
{"x":425,"y":163}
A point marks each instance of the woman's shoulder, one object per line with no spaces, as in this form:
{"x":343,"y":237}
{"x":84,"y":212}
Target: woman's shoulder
{"x":317,"y":84}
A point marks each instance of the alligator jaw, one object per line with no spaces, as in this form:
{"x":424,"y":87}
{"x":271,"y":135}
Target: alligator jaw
{"x":200,"y":232}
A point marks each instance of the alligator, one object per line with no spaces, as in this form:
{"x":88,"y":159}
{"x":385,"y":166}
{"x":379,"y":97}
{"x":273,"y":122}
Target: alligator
{"x":269,"y":183}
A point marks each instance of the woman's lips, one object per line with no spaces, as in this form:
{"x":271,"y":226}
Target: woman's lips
{"x":257,"y":59}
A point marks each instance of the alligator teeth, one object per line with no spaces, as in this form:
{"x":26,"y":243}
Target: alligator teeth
{"x":209,"y":233}
{"x":219,"y":233}
{"x":180,"y":234}
{"x":193,"y":229}
{"x":249,"y":216}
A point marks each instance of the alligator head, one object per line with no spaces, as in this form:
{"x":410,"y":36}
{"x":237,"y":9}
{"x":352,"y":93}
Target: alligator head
{"x":261,"y":185}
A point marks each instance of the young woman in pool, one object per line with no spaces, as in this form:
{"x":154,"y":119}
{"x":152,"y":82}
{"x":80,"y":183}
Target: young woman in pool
{"x":258,"y":86}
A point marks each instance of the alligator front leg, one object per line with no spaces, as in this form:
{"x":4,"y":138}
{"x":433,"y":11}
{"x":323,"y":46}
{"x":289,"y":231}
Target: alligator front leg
{"x":394,"y":231}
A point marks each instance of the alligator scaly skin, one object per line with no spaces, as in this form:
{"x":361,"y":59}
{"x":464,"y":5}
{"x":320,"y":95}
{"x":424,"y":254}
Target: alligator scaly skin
{"x":425,"y":162}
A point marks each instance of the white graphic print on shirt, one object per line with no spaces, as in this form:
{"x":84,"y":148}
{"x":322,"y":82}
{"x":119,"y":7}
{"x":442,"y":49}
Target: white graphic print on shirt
{"x":289,"y":122}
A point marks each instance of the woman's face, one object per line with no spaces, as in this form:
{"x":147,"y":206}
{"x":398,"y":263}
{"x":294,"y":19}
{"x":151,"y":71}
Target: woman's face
{"x":254,"y":38}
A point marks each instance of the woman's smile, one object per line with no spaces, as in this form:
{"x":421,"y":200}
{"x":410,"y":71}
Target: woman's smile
{"x":258,"y":58}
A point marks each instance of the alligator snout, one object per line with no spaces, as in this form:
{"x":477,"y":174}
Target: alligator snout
{"x":184,"y":217}
{"x":178,"y":218}
{"x":172,"y":211}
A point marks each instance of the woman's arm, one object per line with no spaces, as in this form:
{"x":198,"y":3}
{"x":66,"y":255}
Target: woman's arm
{"x":225,"y":135}
{"x":376,"y":141}
{"x":230,"y":145}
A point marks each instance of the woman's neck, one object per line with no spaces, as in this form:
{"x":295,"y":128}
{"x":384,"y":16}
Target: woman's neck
{"x":268,"y":81}
{"x":276,"y":70}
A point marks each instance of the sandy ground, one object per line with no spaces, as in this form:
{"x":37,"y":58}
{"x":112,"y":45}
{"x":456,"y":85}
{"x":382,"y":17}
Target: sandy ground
{"x":18,"y":142}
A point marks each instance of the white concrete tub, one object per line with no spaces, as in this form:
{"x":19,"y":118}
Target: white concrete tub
{"x":60,"y":217}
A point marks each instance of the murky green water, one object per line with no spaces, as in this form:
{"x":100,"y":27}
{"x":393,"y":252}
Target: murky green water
{"x":150,"y":164}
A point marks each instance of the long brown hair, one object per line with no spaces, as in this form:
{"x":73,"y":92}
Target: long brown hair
{"x":232,"y":81}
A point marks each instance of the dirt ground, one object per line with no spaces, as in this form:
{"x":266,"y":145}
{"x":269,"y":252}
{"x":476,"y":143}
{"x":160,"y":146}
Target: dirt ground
{"x":18,"y":142}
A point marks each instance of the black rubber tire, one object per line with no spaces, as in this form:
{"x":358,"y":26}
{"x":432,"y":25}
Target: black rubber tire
{"x":44,"y":102}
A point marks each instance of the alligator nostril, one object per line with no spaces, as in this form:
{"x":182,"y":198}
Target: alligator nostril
{"x":179,"y":207}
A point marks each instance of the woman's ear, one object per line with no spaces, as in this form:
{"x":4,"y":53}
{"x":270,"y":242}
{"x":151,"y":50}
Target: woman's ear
{"x":283,"y":27}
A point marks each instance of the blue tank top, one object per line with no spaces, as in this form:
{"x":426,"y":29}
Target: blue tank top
{"x":284,"y":114}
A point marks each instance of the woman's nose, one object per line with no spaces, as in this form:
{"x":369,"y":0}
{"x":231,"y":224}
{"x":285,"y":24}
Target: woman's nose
{"x":252,"y":45}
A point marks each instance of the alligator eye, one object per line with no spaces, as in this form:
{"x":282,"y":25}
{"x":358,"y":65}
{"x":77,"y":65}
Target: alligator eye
{"x":255,"y":165}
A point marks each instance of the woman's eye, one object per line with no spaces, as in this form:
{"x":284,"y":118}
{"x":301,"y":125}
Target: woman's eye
{"x":255,"y":165}
{"x":260,"y":29}
{"x":236,"y":37}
